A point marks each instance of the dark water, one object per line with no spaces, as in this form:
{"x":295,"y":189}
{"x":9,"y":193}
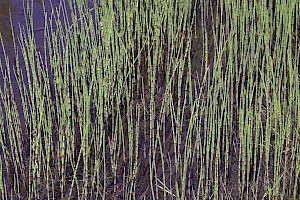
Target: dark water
{"x":16,"y":7}
{"x":18,"y":10}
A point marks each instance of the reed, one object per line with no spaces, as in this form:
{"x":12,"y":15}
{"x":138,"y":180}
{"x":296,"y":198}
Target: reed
{"x":153,"y":100}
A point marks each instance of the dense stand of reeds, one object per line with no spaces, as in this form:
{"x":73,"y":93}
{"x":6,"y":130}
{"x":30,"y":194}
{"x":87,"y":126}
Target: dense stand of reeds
{"x":154,"y":99}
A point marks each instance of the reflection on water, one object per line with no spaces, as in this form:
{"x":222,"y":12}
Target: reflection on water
{"x":15,"y":9}
{"x":5,"y":26}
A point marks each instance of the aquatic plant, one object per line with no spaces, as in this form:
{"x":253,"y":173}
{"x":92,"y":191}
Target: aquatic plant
{"x":154,"y":100}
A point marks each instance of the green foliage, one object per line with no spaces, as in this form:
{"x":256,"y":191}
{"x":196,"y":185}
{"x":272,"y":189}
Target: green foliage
{"x":154,"y":100}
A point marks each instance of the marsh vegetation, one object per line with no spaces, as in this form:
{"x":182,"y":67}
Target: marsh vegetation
{"x":154,"y":100}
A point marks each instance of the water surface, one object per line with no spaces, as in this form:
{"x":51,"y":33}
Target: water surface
{"x":12,"y":15}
